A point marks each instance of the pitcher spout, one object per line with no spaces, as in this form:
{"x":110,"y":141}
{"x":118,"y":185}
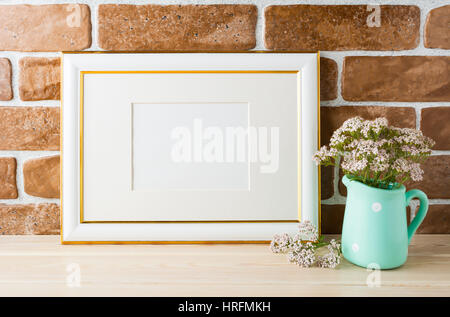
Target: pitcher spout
{"x":346,"y":180}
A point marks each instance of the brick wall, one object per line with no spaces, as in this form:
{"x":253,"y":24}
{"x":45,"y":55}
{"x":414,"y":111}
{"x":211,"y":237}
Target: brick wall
{"x":379,"y":58}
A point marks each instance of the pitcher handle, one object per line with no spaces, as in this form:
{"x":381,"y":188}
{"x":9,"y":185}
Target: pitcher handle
{"x":421,"y":213}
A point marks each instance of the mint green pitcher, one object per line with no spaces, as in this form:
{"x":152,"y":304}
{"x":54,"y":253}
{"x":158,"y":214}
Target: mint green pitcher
{"x":375,"y":232}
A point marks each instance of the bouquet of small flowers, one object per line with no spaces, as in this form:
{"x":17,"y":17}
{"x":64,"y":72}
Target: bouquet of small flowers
{"x":303,"y":246}
{"x":376,"y":154}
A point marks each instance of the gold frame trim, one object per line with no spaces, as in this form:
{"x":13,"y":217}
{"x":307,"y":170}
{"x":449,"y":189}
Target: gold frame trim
{"x":82,"y":73}
{"x":319,"y":206}
{"x":168,"y":242}
{"x":192,"y":52}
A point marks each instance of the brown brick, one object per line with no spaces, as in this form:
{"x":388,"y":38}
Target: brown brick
{"x":328,"y":79}
{"x":8,"y":187}
{"x":177,"y":27}
{"x":29,"y":219}
{"x":332,"y":217}
{"x":326,"y":182}
{"x":434,"y":123}
{"x":342,"y":188}
{"x":437,"y":34}
{"x":408,"y":215}
{"x":6,"y":92}
{"x":56,"y":27}
{"x":341,"y":28}
{"x":437,"y":220}
{"x":41,"y":177}
{"x":396,"y":78}
{"x":332,"y":118}
{"x":29,"y":128}
{"x":39,"y":78}
{"x":436,"y":178}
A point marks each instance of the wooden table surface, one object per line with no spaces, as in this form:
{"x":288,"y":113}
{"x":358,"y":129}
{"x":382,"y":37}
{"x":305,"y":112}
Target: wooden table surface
{"x":40,"y":266}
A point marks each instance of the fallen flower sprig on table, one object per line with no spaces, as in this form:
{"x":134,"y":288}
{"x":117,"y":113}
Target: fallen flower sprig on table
{"x":303,"y":247}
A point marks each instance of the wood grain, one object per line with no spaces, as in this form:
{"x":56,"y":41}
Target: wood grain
{"x":37,"y":265}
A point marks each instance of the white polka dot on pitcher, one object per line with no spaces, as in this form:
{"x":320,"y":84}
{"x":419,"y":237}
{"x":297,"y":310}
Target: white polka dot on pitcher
{"x":355,"y":247}
{"x":376,"y":207}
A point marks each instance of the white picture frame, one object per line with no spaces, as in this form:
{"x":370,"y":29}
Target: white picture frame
{"x":108,"y":194}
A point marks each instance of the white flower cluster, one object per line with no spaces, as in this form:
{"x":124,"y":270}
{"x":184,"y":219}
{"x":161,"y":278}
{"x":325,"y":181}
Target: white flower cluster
{"x":281,"y":243}
{"x":302,"y":254}
{"x":376,"y":154}
{"x":302,"y":247}
{"x":324,"y":154}
{"x":333,"y":257}
{"x":402,"y":165}
{"x":307,"y":231}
